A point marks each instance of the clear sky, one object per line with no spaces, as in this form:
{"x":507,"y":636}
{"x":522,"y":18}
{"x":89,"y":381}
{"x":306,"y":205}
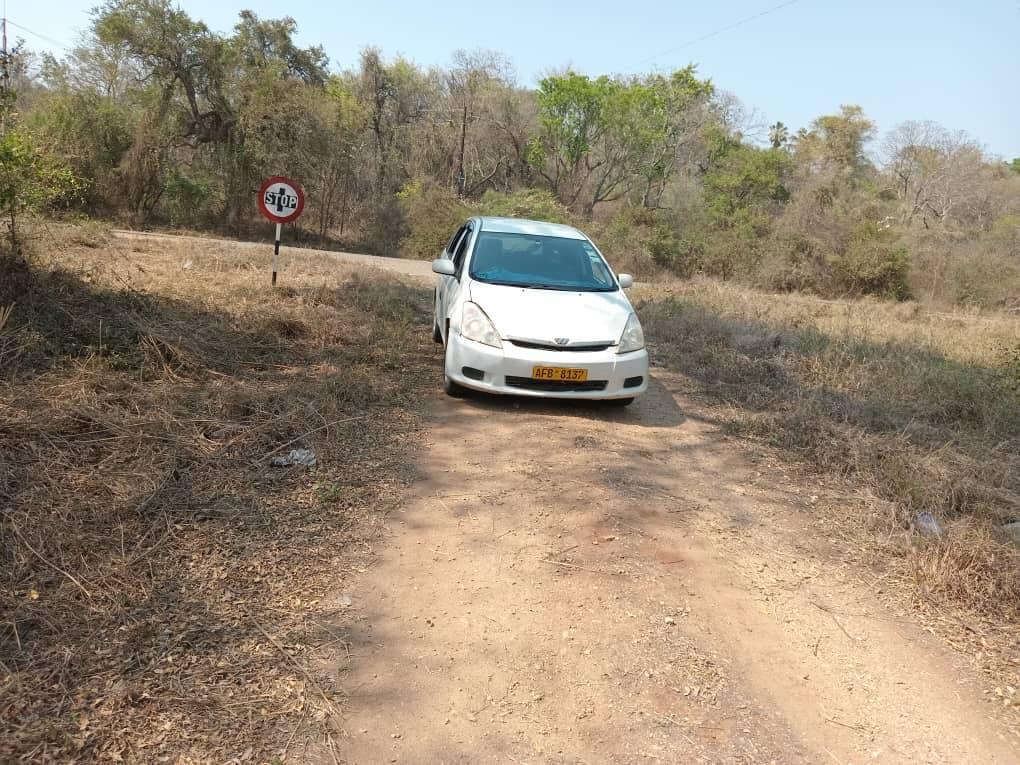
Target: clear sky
{"x":957,"y":63}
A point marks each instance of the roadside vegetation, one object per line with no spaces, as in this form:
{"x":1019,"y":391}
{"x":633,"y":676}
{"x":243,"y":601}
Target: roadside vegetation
{"x":918,"y":406}
{"x":163,"y":587}
{"x":163,"y":122}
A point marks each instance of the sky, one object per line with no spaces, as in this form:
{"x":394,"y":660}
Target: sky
{"x":957,"y":63}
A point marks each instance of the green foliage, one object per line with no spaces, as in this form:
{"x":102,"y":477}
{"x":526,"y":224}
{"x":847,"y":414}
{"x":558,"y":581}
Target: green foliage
{"x":838,"y":139}
{"x":537,"y":204}
{"x":432,"y":215}
{"x":186,"y":197}
{"x":744,"y":188}
{"x":874,"y":263}
{"x":30,"y":178}
{"x":93,"y":132}
{"x":601,"y":137}
{"x":163,"y":119}
{"x":1015,"y":165}
{"x":1013,"y":370}
{"x":638,"y":239}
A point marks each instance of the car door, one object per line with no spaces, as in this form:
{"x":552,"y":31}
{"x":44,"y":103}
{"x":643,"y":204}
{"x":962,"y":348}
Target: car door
{"x":449,"y":286}
{"x":441,"y":280}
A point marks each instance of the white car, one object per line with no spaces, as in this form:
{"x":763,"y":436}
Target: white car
{"x":533,"y":309}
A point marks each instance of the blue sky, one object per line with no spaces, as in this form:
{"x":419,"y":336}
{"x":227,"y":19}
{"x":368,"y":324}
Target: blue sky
{"x":957,"y":63}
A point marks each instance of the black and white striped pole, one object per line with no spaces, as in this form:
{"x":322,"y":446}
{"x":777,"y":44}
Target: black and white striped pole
{"x":276,"y":252}
{"x":281,"y":200}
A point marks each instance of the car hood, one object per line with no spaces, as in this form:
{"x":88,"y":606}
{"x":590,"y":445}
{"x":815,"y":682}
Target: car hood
{"x":543,"y":315}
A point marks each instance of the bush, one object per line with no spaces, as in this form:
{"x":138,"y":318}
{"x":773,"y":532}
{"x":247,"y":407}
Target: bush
{"x":388,"y":228}
{"x":186,"y":199}
{"x":537,"y":204}
{"x":643,"y":241}
{"x":1004,"y":235}
{"x":984,"y":280}
{"x":431,"y":215}
{"x":874,"y":263}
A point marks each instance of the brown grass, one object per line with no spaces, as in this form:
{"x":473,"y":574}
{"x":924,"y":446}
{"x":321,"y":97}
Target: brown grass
{"x":917,"y":405}
{"x":163,"y":590}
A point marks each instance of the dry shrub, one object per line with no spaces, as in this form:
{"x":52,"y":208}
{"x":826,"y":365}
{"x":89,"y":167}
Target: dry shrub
{"x":971,"y":564}
{"x":162,"y":588}
{"x":916,"y":405}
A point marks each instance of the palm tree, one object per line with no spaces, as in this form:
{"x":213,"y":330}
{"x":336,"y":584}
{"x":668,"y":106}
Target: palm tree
{"x":779,"y":135}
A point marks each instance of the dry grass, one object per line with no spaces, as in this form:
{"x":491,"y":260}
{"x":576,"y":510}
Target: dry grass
{"x":162,"y":588}
{"x":919,"y":406}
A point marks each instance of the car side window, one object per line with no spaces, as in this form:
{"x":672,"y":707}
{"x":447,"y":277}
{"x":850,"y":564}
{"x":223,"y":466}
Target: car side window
{"x":452,"y":244}
{"x":458,"y":256}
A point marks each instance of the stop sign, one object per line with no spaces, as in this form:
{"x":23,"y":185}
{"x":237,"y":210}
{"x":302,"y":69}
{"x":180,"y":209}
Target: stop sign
{"x":281,"y":199}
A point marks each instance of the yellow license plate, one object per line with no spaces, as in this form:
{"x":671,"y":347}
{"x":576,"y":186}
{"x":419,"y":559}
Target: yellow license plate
{"x":561,"y":374}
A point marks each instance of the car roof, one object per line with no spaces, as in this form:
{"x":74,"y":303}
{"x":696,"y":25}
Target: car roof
{"x":525,"y":226}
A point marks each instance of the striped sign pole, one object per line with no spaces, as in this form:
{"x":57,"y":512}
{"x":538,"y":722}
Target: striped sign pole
{"x":281,"y":200}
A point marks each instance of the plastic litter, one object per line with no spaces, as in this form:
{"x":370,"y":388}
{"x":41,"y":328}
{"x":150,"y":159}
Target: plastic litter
{"x":305,"y":457}
{"x":927,"y":525}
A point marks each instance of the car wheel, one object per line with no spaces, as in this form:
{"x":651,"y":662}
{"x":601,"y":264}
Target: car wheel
{"x":453,"y":388}
{"x":450,"y":386}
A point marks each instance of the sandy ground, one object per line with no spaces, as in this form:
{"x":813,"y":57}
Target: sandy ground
{"x":577,"y":584}
{"x":573,"y":584}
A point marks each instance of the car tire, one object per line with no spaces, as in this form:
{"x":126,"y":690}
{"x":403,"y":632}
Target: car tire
{"x":451,"y":387}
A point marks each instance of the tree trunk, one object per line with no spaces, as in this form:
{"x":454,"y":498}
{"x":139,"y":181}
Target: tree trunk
{"x":458,"y":177}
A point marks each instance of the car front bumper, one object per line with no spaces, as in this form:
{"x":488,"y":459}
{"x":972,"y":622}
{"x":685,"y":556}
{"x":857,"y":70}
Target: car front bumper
{"x":508,"y":370}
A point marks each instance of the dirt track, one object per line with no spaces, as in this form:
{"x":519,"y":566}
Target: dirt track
{"x":570,"y":584}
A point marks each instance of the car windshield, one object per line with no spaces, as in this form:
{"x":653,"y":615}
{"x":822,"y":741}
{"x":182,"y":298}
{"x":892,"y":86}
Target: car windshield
{"x":540,"y":262}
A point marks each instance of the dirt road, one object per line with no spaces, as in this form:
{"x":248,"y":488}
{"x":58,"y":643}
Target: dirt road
{"x":570,"y":584}
{"x":575,"y":584}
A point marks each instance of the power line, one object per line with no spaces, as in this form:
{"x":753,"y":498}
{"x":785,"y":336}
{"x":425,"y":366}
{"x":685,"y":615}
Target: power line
{"x":42,"y":37}
{"x":720,"y":31}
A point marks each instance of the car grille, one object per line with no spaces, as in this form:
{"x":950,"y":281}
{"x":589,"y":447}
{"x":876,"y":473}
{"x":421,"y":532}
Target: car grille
{"x":589,"y":347}
{"x":565,"y":386}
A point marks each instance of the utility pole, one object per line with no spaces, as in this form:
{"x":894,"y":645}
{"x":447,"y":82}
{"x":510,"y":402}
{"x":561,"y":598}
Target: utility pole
{"x":5,"y":76}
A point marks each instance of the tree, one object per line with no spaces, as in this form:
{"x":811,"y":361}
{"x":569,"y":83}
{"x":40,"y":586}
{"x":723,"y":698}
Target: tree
{"x":934,"y":169}
{"x":838,"y":140}
{"x":178,"y":54}
{"x":779,"y":135}
{"x":30,"y":178}
{"x":466,"y":82}
{"x":599,"y":136}
{"x":744,"y":188}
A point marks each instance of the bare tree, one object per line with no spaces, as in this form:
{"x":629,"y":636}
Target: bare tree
{"x":935,"y":170}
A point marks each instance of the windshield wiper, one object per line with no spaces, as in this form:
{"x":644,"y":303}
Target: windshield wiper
{"x":522,"y":285}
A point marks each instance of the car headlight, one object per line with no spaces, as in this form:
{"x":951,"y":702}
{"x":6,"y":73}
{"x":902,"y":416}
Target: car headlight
{"x":475,"y":325}
{"x":633,"y":337}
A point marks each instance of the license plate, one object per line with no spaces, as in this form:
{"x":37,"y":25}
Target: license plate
{"x":560,"y":374}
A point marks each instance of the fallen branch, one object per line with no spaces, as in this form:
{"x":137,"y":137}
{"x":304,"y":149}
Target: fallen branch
{"x":570,"y":565}
{"x":834,"y":619}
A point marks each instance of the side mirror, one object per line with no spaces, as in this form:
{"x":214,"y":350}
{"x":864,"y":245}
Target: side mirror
{"x":626,"y":280}
{"x":444,"y":267}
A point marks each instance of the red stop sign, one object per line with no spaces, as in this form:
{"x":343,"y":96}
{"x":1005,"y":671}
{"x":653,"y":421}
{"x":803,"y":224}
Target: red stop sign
{"x":281,"y":199}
